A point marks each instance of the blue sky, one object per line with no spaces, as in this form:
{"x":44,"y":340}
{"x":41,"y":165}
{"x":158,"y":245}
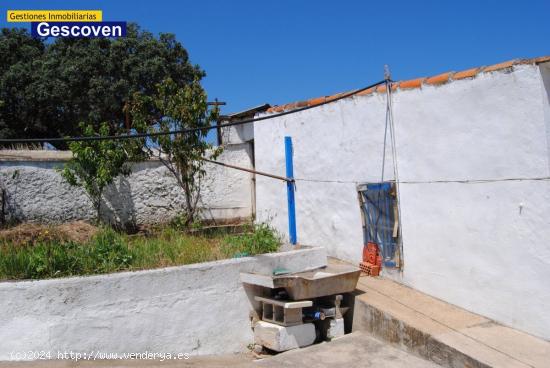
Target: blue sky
{"x":281,"y":51}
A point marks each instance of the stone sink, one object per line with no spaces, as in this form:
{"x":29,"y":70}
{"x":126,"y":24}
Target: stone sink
{"x":330,"y":280}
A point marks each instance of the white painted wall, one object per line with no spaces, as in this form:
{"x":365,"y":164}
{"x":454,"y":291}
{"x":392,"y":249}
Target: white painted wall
{"x":545,"y":74}
{"x":36,"y":192}
{"x":238,"y":133}
{"x":197,"y":309}
{"x":468,"y":244}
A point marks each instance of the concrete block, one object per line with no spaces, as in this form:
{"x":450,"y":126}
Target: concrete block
{"x":280,"y":338}
{"x":336,"y":328}
{"x":283,"y":312}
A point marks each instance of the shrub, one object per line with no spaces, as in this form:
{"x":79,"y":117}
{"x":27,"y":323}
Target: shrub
{"x":262,"y":239}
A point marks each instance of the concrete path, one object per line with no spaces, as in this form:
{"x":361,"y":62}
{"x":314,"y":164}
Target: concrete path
{"x":441,"y":332}
{"x":351,"y":351}
{"x":356,"y":350}
{"x":221,"y":361}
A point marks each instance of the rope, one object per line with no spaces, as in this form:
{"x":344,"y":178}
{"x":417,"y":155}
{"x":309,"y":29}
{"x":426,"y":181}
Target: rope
{"x":379,"y":199}
{"x":395,"y":171}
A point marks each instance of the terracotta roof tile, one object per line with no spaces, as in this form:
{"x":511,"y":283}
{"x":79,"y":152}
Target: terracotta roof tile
{"x":411,"y":83}
{"x":416,"y":83}
{"x":279,"y":108}
{"x":367,"y":91}
{"x":316,"y":101}
{"x":439,"y":79}
{"x":468,"y":73}
{"x":335,"y":96}
{"x":382,"y":88}
{"x":500,"y":66}
{"x":542,"y":59}
{"x":301,"y":104}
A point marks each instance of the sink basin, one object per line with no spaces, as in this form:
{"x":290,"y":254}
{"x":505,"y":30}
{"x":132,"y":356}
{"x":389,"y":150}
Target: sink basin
{"x":330,"y":280}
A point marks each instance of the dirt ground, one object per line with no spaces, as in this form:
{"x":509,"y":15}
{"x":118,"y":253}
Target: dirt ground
{"x":28,"y":234}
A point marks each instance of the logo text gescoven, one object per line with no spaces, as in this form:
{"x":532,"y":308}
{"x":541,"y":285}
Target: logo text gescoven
{"x":79,"y":29}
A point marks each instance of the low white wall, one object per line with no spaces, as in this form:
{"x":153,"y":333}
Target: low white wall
{"x":196,"y":309}
{"x":484,"y":247}
{"x":36,"y":192}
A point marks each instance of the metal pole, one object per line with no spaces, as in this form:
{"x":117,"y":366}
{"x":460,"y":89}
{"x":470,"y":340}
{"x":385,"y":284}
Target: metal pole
{"x":248,"y":170}
{"x":290,"y":191}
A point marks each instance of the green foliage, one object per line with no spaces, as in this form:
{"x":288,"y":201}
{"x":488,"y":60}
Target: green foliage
{"x":262,"y":239}
{"x":20,"y":56}
{"x":182,"y":223}
{"x":180,"y":108}
{"x":96,"y":163}
{"x":47,"y":88}
{"x":110,"y":251}
{"x":107,"y":252}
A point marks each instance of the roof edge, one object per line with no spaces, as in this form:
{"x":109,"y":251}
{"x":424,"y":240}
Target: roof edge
{"x":436,"y":80}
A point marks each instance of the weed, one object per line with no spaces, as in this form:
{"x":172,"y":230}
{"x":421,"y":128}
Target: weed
{"x":111,"y":251}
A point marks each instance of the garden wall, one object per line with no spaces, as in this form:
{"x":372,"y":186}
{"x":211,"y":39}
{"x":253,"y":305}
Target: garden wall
{"x":35,"y":192}
{"x":196,"y":309}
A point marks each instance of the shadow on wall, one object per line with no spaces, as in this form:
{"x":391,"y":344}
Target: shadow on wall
{"x":36,"y":192}
{"x":8,"y":203}
{"x":118,"y":207}
{"x":545,"y":74}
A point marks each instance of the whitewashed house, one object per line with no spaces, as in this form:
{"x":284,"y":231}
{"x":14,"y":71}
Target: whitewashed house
{"x":473,"y":157}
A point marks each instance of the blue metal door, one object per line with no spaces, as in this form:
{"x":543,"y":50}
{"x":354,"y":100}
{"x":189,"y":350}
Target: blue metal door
{"x":378,"y":206}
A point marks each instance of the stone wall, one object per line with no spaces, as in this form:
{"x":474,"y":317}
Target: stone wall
{"x":35,"y":192}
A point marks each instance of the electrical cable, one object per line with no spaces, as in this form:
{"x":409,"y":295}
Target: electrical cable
{"x":475,"y":181}
{"x":457,"y":181}
{"x":188,"y":130}
{"x":349,"y":94}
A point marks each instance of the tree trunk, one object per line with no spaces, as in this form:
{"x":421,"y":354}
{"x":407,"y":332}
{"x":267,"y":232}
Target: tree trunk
{"x":97,"y":205}
{"x":189,"y":203}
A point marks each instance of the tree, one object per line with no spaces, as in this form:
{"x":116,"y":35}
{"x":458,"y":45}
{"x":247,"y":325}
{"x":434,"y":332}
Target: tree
{"x":182,"y":154}
{"x":20,"y":55}
{"x":48,"y":88}
{"x":96,"y":163}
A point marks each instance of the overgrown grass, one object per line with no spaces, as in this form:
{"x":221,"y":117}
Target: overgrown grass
{"x":110,"y":251}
